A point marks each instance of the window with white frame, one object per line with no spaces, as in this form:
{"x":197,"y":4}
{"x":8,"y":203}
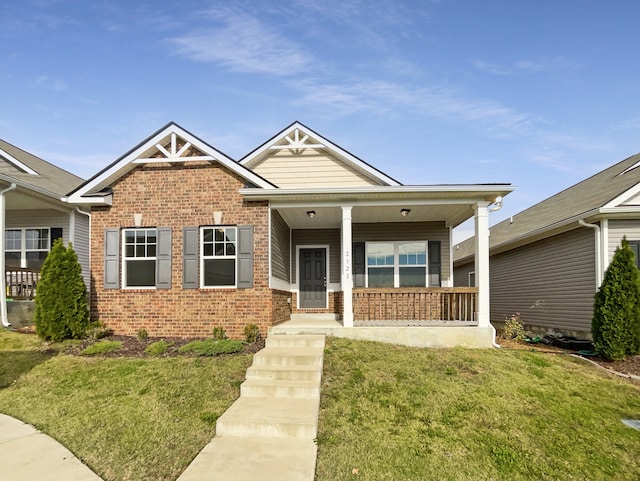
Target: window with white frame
{"x":218,"y":256}
{"x":396,"y":264}
{"x":139,"y":259}
{"x":26,"y":248}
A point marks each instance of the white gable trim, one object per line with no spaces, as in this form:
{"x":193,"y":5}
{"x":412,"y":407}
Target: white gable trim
{"x":16,"y":163}
{"x":622,"y":198}
{"x":135,"y":157}
{"x":292,"y":135}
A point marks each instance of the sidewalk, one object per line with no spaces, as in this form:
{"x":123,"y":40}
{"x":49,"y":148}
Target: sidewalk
{"x":26,"y":454}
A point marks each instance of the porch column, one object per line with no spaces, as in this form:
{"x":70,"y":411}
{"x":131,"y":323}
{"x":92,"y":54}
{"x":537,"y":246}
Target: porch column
{"x":482,"y":262}
{"x":347,"y":276}
{"x":3,"y":280}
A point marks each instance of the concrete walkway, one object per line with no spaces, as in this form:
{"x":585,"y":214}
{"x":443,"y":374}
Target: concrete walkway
{"x":26,"y":454}
{"x":268,"y":433}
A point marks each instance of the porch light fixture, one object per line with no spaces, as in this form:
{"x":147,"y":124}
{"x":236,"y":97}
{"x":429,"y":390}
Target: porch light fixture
{"x":311,"y":214}
{"x":404,"y":212}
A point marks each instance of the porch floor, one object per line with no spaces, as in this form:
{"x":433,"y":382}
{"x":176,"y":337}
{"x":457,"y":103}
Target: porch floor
{"x":449,"y":334}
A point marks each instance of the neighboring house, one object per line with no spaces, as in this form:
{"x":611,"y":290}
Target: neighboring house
{"x":33,"y":213}
{"x":185,"y":239}
{"x":548,"y":261}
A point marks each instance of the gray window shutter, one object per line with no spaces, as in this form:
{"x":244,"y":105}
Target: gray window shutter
{"x":359,"y":268}
{"x":245,"y":256}
{"x":190,"y":258}
{"x":163,"y":258}
{"x":112,"y":258}
{"x":435,"y":264}
{"x":55,"y":233}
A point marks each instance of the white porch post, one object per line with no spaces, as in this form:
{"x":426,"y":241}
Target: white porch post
{"x":3,"y":280}
{"x":347,"y":276}
{"x":482,"y":262}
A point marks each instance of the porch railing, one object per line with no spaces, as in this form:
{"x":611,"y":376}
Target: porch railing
{"x":415,"y":304}
{"x":21,"y":283}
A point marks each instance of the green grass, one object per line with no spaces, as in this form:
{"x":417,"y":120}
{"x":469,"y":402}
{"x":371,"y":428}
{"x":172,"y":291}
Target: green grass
{"x":397,"y":413}
{"x":212,"y":347}
{"x":127,"y":419}
{"x":158,"y":348}
{"x":101,"y":347}
{"x":392,"y":413}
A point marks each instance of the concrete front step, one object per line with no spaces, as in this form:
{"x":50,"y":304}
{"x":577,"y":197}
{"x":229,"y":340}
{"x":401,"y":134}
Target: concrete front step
{"x":289,"y":356}
{"x":271,"y":418}
{"x":307,"y":340}
{"x":287,"y":389}
{"x":228,"y":458}
{"x":285,"y":373}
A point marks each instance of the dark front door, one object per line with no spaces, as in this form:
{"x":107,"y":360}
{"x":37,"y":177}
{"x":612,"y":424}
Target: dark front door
{"x":313,"y":278}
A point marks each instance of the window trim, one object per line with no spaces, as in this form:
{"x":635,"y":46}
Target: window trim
{"x":637,"y":244}
{"x":396,"y":261}
{"x":203,"y":258}
{"x":125,"y":258}
{"x":23,"y":243}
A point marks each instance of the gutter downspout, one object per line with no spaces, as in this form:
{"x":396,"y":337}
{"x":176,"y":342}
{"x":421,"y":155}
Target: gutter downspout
{"x":3,"y":282}
{"x":497,"y":205}
{"x":596,"y":229}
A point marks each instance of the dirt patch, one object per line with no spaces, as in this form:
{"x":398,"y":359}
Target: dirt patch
{"x":631,"y":365}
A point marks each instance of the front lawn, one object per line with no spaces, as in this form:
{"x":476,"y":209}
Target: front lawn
{"x":398,"y":413}
{"x":127,"y":419}
{"x":387,"y":412}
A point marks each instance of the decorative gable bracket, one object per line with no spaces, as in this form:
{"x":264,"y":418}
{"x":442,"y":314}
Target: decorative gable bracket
{"x":297,"y":144}
{"x":177,"y":150}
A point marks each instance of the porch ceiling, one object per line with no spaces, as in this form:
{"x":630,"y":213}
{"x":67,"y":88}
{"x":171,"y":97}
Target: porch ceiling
{"x":331,"y":216}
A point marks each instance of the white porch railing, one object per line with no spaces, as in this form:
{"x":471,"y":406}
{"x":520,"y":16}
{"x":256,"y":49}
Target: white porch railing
{"x":21,"y":283}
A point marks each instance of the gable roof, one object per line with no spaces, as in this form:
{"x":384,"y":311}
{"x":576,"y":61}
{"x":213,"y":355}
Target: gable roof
{"x":599,"y":194}
{"x":298,"y":137}
{"x":169,"y":144}
{"x":25,"y":169}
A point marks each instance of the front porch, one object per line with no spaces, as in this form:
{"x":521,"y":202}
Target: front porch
{"x":439,"y":335}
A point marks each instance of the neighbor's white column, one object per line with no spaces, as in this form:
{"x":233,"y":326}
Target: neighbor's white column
{"x":347,"y":275}
{"x":3,"y":280}
{"x":482,"y":263}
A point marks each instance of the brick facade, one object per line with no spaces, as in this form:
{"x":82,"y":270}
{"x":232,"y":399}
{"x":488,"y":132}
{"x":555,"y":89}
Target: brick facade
{"x":178,"y":196}
{"x":335,"y":305}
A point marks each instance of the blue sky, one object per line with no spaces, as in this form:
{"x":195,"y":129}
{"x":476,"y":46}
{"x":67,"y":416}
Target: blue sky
{"x":540,"y":94}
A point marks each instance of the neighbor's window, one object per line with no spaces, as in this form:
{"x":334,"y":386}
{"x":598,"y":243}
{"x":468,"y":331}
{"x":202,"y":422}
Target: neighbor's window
{"x":218,"y":256}
{"x":397,"y":264}
{"x":139,"y":263}
{"x":26,"y":248}
{"x":635,"y":247}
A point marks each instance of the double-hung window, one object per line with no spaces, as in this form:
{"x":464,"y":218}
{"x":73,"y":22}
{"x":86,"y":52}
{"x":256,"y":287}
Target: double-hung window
{"x":139,"y":263}
{"x":396,"y":264}
{"x":218,"y":256}
{"x":26,"y":248}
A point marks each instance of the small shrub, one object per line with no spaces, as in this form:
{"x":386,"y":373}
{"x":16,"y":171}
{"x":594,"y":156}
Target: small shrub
{"x":143,"y":335}
{"x":514,"y":328}
{"x":212,"y":347}
{"x":97,"y":330}
{"x":158,"y":348}
{"x":219,"y":333}
{"x":251,"y":333}
{"x":102,"y":347}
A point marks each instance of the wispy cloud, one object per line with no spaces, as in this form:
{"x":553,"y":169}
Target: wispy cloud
{"x":541,"y":65}
{"x":45,"y":82}
{"x":492,"y":68}
{"x":243,"y":44}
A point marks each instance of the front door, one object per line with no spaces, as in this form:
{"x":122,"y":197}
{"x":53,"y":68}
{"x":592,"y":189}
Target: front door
{"x":313,"y":278}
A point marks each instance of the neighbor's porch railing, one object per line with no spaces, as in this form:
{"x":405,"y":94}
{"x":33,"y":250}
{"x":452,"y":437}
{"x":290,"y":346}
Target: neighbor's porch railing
{"x":21,"y":283}
{"x":415,"y":304}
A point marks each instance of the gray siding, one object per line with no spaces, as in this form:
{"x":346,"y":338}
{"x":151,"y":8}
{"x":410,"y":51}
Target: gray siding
{"x":550,"y":282}
{"x":81,"y":245}
{"x":617,"y":230}
{"x":408,"y":231}
{"x":461,"y":275}
{"x":330,"y":237}
{"x":280,"y":247}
